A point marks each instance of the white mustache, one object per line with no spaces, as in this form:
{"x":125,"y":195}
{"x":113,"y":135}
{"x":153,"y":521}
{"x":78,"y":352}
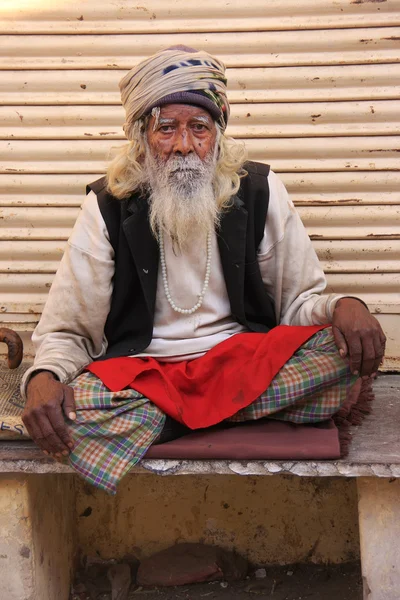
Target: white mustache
{"x":184,"y":168}
{"x":187,"y":163}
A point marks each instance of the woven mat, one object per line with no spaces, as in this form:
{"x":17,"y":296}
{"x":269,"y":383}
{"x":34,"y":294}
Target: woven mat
{"x":11,"y":404}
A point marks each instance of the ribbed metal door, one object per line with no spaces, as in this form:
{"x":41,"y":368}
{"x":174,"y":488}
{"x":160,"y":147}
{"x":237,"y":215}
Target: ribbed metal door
{"x":314,"y":87}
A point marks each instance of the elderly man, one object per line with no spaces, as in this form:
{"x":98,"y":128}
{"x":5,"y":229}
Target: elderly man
{"x":189,"y":292}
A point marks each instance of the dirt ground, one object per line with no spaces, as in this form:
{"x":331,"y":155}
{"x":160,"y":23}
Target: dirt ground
{"x":296,"y":582}
{"x":281,"y":583}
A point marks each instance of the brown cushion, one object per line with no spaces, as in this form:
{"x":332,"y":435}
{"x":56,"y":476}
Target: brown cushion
{"x":258,"y":440}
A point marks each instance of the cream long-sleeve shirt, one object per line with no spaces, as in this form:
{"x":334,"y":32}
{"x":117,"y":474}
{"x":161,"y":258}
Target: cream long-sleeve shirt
{"x":70,"y":333}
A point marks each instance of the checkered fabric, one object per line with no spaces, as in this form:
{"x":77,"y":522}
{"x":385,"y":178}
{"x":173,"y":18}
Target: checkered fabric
{"x":311,"y":387}
{"x":113,"y":430}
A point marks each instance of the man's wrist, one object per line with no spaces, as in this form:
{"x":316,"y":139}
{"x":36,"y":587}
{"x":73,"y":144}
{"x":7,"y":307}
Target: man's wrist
{"x":34,"y":374}
{"x":350,"y":298}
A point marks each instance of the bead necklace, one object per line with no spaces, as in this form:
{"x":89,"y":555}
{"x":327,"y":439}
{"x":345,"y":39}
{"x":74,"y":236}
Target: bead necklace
{"x":184,"y":311}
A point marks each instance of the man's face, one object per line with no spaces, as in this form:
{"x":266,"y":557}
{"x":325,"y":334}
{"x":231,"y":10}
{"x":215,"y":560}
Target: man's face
{"x":181,"y":130}
{"x":179,"y":168}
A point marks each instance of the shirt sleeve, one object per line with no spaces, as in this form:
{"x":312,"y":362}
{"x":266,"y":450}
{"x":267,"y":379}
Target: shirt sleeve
{"x":289,"y":265}
{"x":70,"y":333}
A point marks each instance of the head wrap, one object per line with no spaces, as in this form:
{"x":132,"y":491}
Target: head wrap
{"x":177,"y":75}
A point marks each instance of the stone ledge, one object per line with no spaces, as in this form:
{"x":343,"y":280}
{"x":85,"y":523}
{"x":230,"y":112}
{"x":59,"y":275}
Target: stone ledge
{"x":222,"y":467}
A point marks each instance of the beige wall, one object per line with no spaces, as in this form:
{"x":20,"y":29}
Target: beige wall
{"x":268,"y":519}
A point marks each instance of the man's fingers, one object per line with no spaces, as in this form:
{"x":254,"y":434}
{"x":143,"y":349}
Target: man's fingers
{"x":368,"y":356}
{"x":382,"y":338}
{"x":43,"y":414}
{"x":379,"y":347}
{"x":355,"y":353}
{"x":69,"y":403}
{"x":43,"y":429}
{"x":59,"y":427}
{"x":50,"y":438}
{"x":340,"y":341}
{"x":363,"y":335}
{"x":34,"y":431}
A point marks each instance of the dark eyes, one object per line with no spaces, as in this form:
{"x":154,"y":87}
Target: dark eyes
{"x":198,"y":127}
{"x":165,"y":128}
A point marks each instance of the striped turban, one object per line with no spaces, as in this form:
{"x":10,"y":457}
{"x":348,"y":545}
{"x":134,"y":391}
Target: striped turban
{"x":178,"y":75}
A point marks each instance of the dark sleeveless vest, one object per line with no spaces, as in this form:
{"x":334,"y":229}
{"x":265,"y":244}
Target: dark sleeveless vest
{"x":129,"y":326}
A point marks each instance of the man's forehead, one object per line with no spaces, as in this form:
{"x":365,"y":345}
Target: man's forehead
{"x":178,"y":112}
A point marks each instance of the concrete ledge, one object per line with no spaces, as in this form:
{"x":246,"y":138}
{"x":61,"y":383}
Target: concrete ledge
{"x":223,"y":467}
{"x":299,"y":468}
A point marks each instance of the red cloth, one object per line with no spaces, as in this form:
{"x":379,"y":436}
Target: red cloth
{"x":209,"y":389}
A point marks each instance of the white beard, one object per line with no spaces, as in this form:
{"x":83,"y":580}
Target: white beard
{"x":182,"y":199}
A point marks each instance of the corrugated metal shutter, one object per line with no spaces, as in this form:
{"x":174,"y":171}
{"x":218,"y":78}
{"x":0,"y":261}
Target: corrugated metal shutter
{"x":314,"y":87}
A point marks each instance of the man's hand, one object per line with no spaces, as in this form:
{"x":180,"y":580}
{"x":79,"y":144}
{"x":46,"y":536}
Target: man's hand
{"x":358,"y":335}
{"x":47,"y":399}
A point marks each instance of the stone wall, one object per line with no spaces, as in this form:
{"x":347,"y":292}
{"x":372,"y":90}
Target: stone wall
{"x":276,"y":519}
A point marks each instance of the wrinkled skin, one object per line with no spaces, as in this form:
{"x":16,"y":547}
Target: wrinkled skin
{"x":182,"y":129}
{"x":359,"y":336}
{"x":48,"y":403}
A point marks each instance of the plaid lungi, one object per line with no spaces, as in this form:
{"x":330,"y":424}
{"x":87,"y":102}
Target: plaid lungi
{"x":113,"y":430}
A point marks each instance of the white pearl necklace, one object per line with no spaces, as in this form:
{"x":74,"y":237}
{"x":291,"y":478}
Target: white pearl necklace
{"x":178,"y":309}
